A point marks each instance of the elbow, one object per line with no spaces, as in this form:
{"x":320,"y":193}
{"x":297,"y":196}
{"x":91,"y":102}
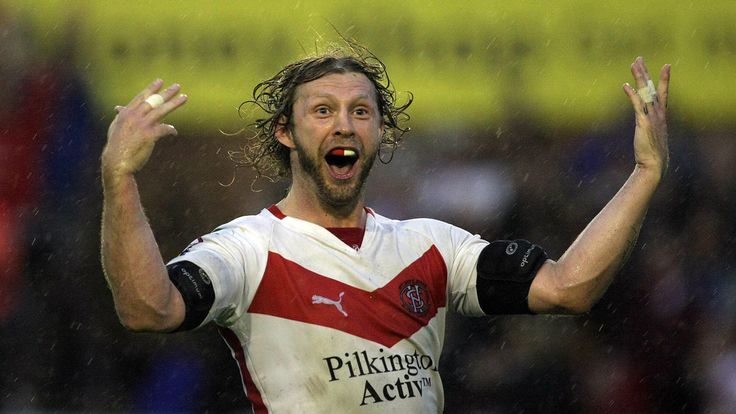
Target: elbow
{"x":575,"y":306}
{"x":562,"y":302}
{"x":563,"y":305}
{"x":553,"y":292}
{"x":575,"y":300}
{"x":139,"y":322}
{"x":136,"y":324}
{"x":558,"y":290}
{"x":161,"y":313}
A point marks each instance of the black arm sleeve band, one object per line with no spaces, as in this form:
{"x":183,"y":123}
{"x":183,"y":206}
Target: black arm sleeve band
{"x":506,"y":270}
{"x":196,"y":289}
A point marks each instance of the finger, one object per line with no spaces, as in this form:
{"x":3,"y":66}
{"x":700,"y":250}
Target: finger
{"x":646,"y":89}
{"x":167,"y":94}
{"x":663,"y":87}
{"x":169,"y":106}
{"x":171,"y":91}
{"x":163,"y":130}
{"x":639,"y":70}
{"x":152,"y":88}
{"x":636,"y":101}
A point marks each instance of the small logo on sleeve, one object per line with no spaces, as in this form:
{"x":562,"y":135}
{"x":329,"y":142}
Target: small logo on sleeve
{"x":205,"y":278}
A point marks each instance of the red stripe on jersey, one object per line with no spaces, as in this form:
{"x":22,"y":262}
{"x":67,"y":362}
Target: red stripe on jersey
{"x":386,"y":315}
{"x":251,"y":391}
{"x":276,"y":212}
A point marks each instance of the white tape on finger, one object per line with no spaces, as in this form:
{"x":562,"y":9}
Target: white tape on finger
{"x":155,"y":100}
{"x":649,"y":93}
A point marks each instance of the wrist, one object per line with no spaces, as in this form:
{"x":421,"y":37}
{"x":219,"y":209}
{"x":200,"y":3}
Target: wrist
{"x":649,"y":174}
{"x":114,"y":178}
{"x":113,"y":168}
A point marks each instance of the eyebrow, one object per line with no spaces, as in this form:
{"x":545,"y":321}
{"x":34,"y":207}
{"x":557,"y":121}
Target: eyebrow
{"x":329,"y":95}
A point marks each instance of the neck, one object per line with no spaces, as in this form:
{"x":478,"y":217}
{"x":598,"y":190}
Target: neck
{"x":309,"y":207}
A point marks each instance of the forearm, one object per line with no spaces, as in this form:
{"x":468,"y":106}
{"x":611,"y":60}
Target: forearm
{"x":581,"y":276}
{"x":145,"y":299}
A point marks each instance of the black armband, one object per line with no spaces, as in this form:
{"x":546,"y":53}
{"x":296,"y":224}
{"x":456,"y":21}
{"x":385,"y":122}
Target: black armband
{"x":506,"y":270}
{"x":196,"y":290}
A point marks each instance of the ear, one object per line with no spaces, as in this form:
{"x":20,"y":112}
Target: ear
{"x":283,"y":133}
{"x":382,"y":130}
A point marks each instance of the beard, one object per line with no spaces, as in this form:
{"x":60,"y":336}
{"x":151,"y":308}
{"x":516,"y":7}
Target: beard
{"x":336,"y":196}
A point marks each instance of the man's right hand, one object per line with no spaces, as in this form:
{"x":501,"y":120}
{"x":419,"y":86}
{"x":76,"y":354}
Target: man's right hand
{"x":134,"y":131}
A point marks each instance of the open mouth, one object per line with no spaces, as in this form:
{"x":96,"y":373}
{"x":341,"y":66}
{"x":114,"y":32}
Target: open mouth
{"x":341,"y":162}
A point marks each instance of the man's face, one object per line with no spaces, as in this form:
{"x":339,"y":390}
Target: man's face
{"x":336,"y":129}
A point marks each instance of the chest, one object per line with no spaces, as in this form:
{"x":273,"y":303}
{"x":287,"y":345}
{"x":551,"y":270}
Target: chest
{"x":383,"y":298}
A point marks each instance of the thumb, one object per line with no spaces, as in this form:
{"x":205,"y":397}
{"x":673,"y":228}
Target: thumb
{"x":166,"y":129}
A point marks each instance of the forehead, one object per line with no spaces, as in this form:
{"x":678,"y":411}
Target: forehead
{"x":347,"y":86}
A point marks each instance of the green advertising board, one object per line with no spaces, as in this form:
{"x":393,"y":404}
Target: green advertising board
{"x":466,"y":62}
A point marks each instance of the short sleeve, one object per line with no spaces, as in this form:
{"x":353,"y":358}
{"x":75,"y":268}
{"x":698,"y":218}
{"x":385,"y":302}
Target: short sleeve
{"x":463,"y":270}
{"x":227,"y":255}
{"x":460,"y":250}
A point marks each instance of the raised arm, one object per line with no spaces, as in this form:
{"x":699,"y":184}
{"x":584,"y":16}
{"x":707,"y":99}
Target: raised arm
{"x":575,"y":282}
{"x":145,"y":299}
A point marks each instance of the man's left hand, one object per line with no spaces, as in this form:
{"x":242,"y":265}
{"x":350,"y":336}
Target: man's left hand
{"x":651,"y":148}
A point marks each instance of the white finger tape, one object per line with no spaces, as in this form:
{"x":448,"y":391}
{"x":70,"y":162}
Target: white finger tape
{"x":155,"y":100}
{"x":649,"y":93}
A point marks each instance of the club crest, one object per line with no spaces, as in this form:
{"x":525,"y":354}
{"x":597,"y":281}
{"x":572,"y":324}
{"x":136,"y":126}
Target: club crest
{"x":415,"y":297}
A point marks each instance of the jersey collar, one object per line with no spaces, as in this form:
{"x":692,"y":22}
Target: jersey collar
{"x":352,"y":236}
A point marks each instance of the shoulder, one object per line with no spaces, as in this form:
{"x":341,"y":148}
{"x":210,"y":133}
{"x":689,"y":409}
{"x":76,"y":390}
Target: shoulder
{"x":245,"y":232}
{"x":436,"y":232}
{"x":261,"y":223}
{"x":425,"y":226}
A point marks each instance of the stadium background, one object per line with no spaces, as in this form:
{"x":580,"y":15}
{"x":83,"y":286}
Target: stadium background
{"x":521,"y":103}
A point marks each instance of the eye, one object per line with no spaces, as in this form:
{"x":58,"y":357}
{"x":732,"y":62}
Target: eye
{"x":361,"y":112}
{"x":322,"y":110}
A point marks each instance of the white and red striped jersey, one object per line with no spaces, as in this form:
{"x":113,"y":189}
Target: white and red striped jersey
{"x":317,"y":325}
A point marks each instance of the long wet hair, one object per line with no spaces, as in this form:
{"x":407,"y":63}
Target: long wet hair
{"x":275,"y":96}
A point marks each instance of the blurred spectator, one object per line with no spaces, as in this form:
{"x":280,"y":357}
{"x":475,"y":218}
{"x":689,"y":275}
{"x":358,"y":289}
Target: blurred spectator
{"x":25,"y":99}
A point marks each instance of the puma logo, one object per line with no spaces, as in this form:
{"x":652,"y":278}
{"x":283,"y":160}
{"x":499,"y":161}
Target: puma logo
{"x":317,"y":299}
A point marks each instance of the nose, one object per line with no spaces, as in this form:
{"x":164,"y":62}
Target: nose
{"x":344,"y":125}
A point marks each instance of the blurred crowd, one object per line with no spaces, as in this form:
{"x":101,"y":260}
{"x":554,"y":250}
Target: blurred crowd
{"x":662,"y":339}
